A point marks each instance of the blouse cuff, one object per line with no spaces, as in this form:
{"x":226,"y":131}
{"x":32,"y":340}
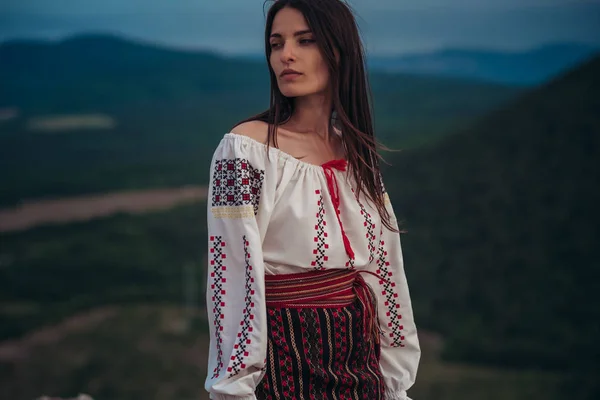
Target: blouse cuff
{"x":231,"y":397}
{"x":391,"y":394}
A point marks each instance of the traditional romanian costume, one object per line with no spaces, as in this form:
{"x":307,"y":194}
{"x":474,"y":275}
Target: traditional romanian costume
{"x":307,"y":296}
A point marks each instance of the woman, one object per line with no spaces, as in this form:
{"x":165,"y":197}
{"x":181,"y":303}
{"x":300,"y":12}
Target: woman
{"x":307,"y":296}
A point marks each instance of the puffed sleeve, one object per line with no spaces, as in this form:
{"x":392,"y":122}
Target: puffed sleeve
{"x":239,"y":201}
{"x":400,"y":350}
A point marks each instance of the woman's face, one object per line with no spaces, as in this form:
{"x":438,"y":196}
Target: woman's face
{"x":295,"y":56}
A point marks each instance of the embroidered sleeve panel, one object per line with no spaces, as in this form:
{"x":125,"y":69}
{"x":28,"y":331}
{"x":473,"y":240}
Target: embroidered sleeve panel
{"x":243,"y":345}
{"x":236,"y":188}
{"x":393,"y":324}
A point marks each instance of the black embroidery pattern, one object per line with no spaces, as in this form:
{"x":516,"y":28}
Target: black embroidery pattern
{"x":350,"y":263}
{"x":236,"y":183}
{"x":382,"y":185}
{"x":390,"y":294}
{"x":370,"y":227}
{"x":321,"y":235}
{"x":241,"y":347}
{"x":217,"y":269}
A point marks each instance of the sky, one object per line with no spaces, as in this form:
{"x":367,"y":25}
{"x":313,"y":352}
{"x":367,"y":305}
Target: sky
{"x":388,"y":26}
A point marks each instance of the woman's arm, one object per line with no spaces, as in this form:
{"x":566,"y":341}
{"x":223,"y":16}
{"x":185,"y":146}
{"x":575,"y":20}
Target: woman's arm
{"x":400,"y":351}
{"x":235,"y":292}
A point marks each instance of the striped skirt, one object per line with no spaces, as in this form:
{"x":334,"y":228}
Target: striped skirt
{"x":323,"y":339}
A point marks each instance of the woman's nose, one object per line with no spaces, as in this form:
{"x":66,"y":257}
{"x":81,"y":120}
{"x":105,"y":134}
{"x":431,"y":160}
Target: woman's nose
{"x":287,"y":53}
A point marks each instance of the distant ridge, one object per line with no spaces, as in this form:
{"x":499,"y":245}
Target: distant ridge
{"x":102,"y":39}
{"x":529,"y":67}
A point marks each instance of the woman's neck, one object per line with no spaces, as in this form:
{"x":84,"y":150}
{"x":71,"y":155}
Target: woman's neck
{"x":312,"y":114}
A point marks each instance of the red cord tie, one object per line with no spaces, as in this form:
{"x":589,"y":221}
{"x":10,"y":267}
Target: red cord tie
{"x":363,"y":290}
{"x":332,"y":185}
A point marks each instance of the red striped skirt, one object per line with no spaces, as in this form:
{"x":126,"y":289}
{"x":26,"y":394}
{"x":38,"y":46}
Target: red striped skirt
{"x":323,"y":339}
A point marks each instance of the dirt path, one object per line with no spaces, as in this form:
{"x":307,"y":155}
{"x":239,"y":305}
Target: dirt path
{"x":81,"y":208}
{"x":11,"y":350}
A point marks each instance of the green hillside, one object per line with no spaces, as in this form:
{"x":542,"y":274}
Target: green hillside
{"x":170,"y":109}
{"x":48,"y":273}
{"x":503,"y":226}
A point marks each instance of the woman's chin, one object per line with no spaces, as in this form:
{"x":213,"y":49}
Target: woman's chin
{"x":291,"y":92}
{"x":296,"y":92}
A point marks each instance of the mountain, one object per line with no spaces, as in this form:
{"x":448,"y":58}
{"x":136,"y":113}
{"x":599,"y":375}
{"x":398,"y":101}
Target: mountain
{"x":105,"y":72}
{"x":503,"y":223}
{"x":529,"y":67}
{"x":163,"y":111}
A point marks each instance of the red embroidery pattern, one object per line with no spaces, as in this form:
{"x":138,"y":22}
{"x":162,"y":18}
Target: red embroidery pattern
{"x":236,"y":183}
{"x":350,"y":263}
{"x":217,"y":269}
{"x":382,"y":185}
{"x":341,"y":334}
{"x":241,"y":353}
{"x":313,"y":350}
{"x":390,"y":294}
{"x":370,"y":226}
{"x":283,"y":352}
{"x":319,"y":251}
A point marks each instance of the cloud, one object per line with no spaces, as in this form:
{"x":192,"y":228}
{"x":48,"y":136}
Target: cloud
{"x":510,"y":29}
{"x":389,"y":26}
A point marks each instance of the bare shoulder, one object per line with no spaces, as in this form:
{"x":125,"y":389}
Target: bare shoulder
{"x":257,"y":130}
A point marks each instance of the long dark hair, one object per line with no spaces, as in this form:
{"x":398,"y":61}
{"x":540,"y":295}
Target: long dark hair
{"x":334,"y":27}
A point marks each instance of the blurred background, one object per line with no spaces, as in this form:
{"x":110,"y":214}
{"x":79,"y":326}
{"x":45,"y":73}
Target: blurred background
{"x":109,"y":114}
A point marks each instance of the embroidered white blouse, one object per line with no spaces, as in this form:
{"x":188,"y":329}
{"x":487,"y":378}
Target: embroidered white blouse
{"x":274,"y":214}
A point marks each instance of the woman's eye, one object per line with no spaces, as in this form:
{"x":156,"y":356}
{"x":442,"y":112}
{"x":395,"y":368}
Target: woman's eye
{"x":307,"y":41}
{"x":275,"y":45}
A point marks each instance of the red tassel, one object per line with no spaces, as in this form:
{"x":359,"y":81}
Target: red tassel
{"x":366,"y":296}
{"x":347,"y":245}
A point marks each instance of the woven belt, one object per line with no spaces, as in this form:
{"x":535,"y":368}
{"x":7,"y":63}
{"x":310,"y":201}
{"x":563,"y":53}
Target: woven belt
{"x":332,"y":288}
